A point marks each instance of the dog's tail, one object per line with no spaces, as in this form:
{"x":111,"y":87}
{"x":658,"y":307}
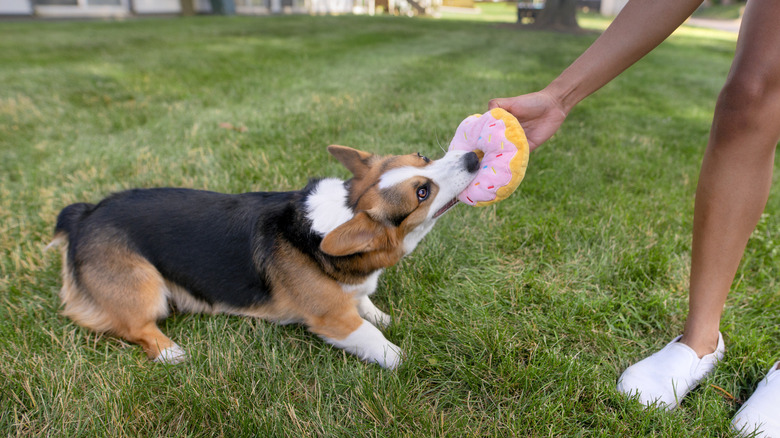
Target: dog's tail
{"x":67,"y":220}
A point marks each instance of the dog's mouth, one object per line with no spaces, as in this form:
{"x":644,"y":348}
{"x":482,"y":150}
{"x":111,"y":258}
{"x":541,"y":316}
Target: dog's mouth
{"x":446,"y":207}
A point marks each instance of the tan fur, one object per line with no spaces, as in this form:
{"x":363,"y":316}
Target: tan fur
{"x":367,"y":169}
{"x":360,"y":234}
{"x":402,"y":198}
{"x":117,"y":291}
{"x":357,"y":162}
{"x":77,"y":304}
{"x":317,"y":300}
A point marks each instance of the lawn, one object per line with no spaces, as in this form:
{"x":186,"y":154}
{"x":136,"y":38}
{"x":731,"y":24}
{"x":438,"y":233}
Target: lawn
{"x":498,"y":12}
{"x":721,"y":12}
{"x":517,"y":318}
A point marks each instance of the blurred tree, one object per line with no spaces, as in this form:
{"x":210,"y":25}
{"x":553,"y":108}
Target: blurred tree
{"x":558,"y":15}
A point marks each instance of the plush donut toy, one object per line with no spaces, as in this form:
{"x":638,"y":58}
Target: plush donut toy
{"x":499,"y":140}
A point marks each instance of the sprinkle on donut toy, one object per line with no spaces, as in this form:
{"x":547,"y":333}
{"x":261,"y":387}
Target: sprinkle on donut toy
{"x":499,"y":140}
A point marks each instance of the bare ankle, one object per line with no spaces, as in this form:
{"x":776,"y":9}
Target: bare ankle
{"x":702,"y":345}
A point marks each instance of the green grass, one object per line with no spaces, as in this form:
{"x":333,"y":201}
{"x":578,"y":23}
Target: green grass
{"x":517,"y":318}
{"x":721,"y":12}
{"x":498,"y":12}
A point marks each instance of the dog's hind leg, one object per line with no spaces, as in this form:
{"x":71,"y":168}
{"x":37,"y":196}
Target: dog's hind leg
{"x":156,"y":345}
{"x":116,"y":290}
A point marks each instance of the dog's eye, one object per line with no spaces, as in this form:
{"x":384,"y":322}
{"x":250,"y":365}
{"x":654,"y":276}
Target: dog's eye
{"x":422,"y":193}
{"x":426,"y":159}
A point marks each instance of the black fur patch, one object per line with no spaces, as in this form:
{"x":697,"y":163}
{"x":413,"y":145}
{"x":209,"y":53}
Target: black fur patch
{"x":217,"y":246}
{"x":201,"y":240}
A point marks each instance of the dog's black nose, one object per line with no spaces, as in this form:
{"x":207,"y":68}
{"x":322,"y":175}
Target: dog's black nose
{"x":471,"y":160}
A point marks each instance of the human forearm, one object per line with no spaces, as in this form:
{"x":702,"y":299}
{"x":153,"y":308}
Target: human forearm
{"x":640,"y":27}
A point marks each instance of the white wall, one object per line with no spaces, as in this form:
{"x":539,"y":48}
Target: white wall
{"x":612,"y":7}
{"x":331,"y":6}
{"x":202,"y":6}
{"x":16,"y":7}
{"x":156,"y":6}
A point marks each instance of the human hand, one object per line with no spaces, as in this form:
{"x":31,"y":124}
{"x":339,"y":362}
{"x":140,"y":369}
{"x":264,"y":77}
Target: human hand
{"x":539,"y":114}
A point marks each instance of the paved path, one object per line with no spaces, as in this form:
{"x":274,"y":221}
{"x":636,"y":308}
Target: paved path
{"x":727,"y":25}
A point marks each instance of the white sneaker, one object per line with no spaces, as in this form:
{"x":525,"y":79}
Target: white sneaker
{"x":664,"y":378}
{"x":761,"y":412}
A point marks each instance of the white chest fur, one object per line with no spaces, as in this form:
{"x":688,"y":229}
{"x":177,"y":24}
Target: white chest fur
{"x":364,"y":289}
{"x":326,"y":206}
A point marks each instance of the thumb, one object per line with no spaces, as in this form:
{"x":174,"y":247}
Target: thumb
{"x":501,"y":102}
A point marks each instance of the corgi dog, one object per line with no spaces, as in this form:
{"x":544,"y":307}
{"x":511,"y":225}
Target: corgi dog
{"x":312,"y":256}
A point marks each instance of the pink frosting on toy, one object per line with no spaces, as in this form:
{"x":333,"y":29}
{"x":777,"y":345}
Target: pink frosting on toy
{"x":487,"y":134}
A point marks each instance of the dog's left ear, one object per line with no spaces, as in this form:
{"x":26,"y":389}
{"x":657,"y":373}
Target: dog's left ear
{"x":359,"y":234}
{"x":356,"y":161}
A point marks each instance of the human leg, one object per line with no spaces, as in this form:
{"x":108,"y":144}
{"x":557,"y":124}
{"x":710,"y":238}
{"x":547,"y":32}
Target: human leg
{"x":733,"y":188}
{"x":736,"y":171}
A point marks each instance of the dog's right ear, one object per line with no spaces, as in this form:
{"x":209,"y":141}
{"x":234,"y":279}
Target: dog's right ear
{"x":359,"y":234}
{"x":356,"y":161}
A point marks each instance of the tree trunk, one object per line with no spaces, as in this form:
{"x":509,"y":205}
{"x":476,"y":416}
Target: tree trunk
{"x":558,"y":15}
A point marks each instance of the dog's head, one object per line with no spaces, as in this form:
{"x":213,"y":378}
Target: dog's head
{"x":396,"y":200}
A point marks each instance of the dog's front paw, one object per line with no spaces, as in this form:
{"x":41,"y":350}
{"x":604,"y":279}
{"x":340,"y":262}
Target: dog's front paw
{"x":369,"y":344}
{"x":372,"y":314}
{"x":382,"y":352}
{"x":392,"y":357}
{"x":379,"y":318}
